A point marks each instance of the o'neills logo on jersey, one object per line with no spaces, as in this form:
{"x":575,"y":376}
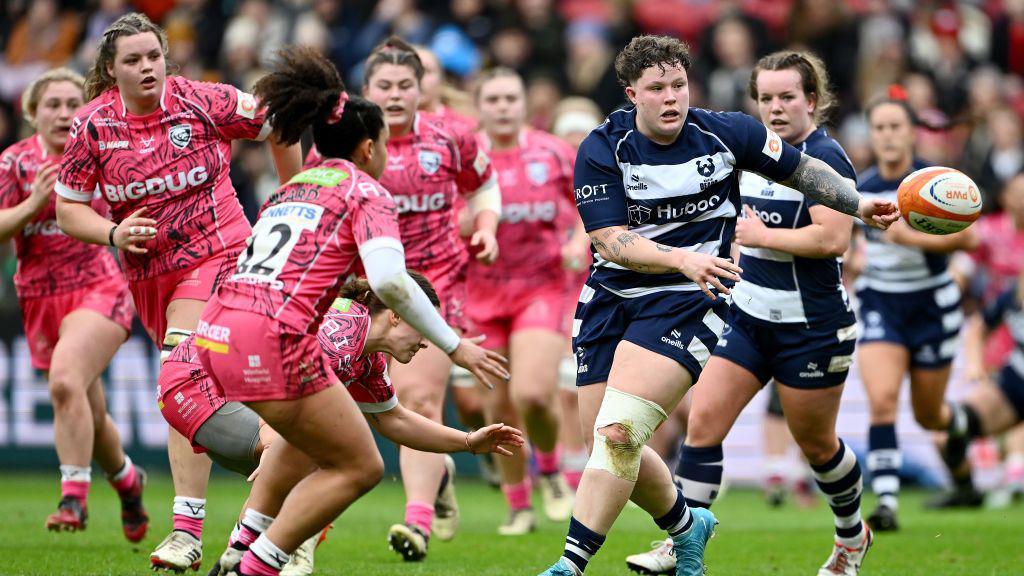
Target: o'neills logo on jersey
{"x":529,"y":212}
{"x":152,"y":186}
{"x":431,"y":203}
{"x":43,"y":228}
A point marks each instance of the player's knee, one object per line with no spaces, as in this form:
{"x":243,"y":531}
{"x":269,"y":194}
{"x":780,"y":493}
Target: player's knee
{"x":703,"y":429}
{"x":929,"y":418}
{"x":65,"y":387}
{"x":426,"y":405}
{"x":818,"y":449}
{"x":534,"y":401}
{"x":371,"y":472}
{"x":623,"y":426}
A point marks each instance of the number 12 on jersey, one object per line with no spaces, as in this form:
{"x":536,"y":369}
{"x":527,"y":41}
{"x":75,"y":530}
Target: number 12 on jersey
{"x":273,"y":238}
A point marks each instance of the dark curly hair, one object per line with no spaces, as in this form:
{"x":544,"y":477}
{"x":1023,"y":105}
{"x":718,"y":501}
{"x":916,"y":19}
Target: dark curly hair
{"x":303,"y":90}
{"x":646,"y":51}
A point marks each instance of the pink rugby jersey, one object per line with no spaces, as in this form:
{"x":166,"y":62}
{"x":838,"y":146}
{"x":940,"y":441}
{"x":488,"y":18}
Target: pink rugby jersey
{"x":306,"y":240}
{"x":536,"y":211}
{"x":426,"y":170}
{"x":174,"y":161}
{"x":49,"y":262}
{"x":342,"y":337}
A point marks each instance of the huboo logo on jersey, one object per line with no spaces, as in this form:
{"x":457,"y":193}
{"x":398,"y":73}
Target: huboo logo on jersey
{"x":766,"y":216}
{"x":772,"y":145}
{"x":158,"y":185}
{"x":180,"y":135}
{"x":430,"y":161}
{"x":670,"y":212}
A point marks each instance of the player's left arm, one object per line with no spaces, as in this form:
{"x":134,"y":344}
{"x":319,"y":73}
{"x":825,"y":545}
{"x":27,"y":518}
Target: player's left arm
{"x":902,"y":233}
{"x":407,"y":428}
{"x":477,"y":179}
{"x":821,"y":183}
{"x":828,"y":235}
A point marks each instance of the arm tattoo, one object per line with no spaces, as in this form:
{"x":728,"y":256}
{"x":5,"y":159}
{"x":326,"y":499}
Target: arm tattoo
{"x":663,"y":248}
{"x":821,"y":183}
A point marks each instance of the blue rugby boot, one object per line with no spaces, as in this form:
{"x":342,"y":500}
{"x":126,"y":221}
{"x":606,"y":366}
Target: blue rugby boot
{"x":689,"y":546}
{"x":561,"y":568}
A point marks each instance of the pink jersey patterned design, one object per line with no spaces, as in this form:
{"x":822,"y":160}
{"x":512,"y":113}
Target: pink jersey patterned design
{"x":1000,"y":252}
{"x":457,"y":121}
{"x":425,"y":171}
{"x":49,"y":262}
{"x":186,"y":395}
{"x":173,"y":161}
{"x":342,"y":337}
{"x":536,"y":210}
{"x":306,"y":240}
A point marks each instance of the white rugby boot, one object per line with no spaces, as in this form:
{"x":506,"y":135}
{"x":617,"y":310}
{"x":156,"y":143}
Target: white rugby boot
{"x":301,"y":562}
{"x":178,"y":552}
{"x":846,"y":561}
{"x":660,"y":559}
{"x":518,"y":523}
{"x":556,"y":496}
{"x":446,"y":507}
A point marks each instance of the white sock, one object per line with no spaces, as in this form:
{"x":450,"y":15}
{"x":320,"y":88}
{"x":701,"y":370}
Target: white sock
{"x":75,"y":473}
{"x":191,"y":507}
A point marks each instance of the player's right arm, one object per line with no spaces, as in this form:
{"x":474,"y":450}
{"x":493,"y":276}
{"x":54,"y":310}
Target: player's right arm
{"x":601,"y":201}
{"x":15,"y":214}
{"x":407,"y":428}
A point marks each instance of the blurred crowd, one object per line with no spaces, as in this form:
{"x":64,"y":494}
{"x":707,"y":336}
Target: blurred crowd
{"x":960,"y":64}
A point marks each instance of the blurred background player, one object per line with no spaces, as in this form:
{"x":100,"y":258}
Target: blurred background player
{"x":652,"y":185}
{"x":159,"y":149}
{"x":256,"y":336}
{"x":75,"y":307}
{"x":359,"y":334}
{"x":430,"y":163}
{"x":909,"y":310}
{"x":790,"y":318}
{"x":518,"y":302}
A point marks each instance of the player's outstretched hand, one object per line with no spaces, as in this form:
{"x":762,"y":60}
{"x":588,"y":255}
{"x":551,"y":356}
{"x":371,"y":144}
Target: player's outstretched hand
{"x":488,"y":366}
{"x":877,"y":213}
{"x":496,"y":438}
{"x":134,"y":231}
{"x":706,"y":269}
{"x":488,"y":246}
{"x":42,"y":186}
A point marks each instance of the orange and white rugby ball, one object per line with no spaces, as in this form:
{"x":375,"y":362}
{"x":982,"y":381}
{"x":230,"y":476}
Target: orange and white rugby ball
{"x":939,"y":200}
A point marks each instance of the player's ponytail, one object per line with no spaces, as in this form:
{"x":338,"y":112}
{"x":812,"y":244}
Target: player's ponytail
{"x":99,"y":79}
{"x":358,"y":290}
{"x":305,"y":90}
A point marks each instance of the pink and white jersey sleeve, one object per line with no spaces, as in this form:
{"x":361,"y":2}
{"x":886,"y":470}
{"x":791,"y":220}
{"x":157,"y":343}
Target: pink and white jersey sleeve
{"x":307,"y":239}
{"x":342,"y":337}
{"x":49,"y":262}
{"x":426,"y":170}
{"x":174,"y":162}
{"x":536,"y":187}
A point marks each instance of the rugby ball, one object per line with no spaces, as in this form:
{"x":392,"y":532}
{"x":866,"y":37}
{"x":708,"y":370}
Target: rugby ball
{"x":939,"y":200}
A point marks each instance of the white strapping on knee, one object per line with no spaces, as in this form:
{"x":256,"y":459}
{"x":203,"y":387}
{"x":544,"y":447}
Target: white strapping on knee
{"x":638,"y":418}
{"x":172,"y":338}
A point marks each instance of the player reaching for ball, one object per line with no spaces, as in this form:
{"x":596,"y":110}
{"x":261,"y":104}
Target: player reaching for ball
{"x":429,"y":164}
{"x":909,"y":309}
{"x":75,"y":307}
{"x":657,"y":188}
{"x":257,"y":337}
{"x":790,"y":318}
{"x":358,"y":335}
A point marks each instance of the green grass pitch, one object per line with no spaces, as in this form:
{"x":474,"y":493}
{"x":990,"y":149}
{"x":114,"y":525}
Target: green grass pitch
{"x":751,"y":540}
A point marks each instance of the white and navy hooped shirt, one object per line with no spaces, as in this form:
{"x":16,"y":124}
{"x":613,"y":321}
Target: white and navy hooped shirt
{"x":684,"y":194}
{"x":895,"y":268}
{"x":779,"y":287}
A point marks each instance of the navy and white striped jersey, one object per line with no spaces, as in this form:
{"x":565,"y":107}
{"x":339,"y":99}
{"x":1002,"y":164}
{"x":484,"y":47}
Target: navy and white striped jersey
{"x":895,"y":268}
{"x":779,"y":287}
{"x":1007,"y":309}
{"x":684,"y":195}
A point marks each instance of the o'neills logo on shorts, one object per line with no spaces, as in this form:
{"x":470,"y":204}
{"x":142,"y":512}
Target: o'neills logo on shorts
{"x":213,"y":337}
{"x":157,"y":185}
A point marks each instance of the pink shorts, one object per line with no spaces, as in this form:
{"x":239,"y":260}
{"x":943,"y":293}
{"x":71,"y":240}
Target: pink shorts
{"x":42,"y":316}
{"x":498,"y":312}
{"x":153,"y":295}
{"x":251,"y":357}
{"x":187,"y":398}
{"x":450,"y":285}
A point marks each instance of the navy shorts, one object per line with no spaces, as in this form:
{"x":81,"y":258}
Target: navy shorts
{"x":683,"y":326}
{"x":925,"y":322}
{"x":1012,"y":385}
{"x":795,"y":355}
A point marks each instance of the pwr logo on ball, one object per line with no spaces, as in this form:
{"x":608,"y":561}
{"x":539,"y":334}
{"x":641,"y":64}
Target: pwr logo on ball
{"x":939,"y":200}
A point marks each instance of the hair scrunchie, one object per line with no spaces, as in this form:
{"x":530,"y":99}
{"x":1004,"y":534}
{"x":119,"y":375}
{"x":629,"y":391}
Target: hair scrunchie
{"x":339,"y":108}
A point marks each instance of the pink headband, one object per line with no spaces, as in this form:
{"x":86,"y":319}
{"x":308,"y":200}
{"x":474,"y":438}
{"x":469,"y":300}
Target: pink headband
{"x":339,"y":108}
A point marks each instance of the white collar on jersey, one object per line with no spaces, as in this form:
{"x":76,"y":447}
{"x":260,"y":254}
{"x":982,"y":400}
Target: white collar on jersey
{"x":42,"y":146}
{"x":124,"y":107}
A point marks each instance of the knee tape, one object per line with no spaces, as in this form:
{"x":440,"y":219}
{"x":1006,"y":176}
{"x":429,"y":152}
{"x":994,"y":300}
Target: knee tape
{"x":172,"y":338}
{"x":638,"y":418}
